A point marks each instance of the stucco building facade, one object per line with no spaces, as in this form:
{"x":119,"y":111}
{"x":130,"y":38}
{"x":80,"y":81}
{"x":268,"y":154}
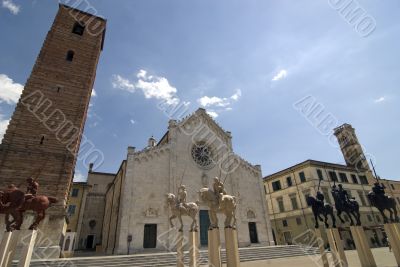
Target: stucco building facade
{"x":288,"y":189}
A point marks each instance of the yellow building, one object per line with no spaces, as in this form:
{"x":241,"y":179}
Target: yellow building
{"x":286,"y":193}
{"x":76,"y":205}
{"x":287,"y":190}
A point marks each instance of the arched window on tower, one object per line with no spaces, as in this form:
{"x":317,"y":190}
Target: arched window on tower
{"x":78,"y":28}
{"x":70,"y":55}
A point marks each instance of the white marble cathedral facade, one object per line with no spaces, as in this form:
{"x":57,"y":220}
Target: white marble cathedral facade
{"x":136,"y":212}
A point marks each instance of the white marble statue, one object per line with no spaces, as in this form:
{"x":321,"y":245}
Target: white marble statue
{"x":179,"y":207}
{"x":219,"y":202}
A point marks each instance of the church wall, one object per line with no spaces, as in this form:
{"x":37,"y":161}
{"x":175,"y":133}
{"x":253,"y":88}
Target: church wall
{"x":111,"y":212}
{"x":143,"y":198}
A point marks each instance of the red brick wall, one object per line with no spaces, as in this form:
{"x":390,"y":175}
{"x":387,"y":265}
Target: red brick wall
{"x":21,"y":154}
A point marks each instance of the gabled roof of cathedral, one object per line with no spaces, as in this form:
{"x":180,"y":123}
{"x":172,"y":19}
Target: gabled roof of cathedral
{"x":203,"y":113}
{"x":200,"y":112}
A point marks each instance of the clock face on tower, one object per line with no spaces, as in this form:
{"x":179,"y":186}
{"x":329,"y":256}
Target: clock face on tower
{"x":202,"y":155}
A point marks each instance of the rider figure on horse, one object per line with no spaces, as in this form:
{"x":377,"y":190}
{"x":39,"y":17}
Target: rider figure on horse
{"x":182,"y":194}
{"x":32,"y":187}
{"x":379,"y":190}
{"x":320,"y":199}
{"x":219,"y":190}
{"x":342,"y":194}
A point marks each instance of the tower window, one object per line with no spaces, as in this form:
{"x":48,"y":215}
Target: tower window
{"x":78,"y":28}
{"x":70,"y":55}
{"x":42,"y":140}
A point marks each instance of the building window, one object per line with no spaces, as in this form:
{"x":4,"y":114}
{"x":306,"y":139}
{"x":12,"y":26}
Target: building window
{"x":354,"y":178}
{"x":319,"y":173}
{"x":78,"y":28}
{"x":280,"y":205}
{"x":293,"y":199}
{"x":276,"y":185}
{"x":362,"y":198}
{"x":71,"y":209}
{"x":326,"y":195}
{"x":75,"y":192}
{"x":343,"y":177}
{"x":363,"y":179}
{"x":284,"y":223}
{"x":306,"y":195}
{"x":42,"y":140}
{"x":70,"y":55}
{"x":289,"y":181}
{"x":265,"y":189}
{"x":298,"y":221}
{"x":398,"y":200}
{"x":302,"y":177}
{"x":378,"y":219}
{"x":369,"y":217}
{"x":333,"y":176}
{"x":392,"y":186}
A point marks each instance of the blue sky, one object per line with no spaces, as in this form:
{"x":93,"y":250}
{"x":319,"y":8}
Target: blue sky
{"x":247,"y":62}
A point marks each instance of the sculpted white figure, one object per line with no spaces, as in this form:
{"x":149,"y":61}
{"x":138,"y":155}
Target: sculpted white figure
{"x":219,"y":202}
{"x":180,"y":208}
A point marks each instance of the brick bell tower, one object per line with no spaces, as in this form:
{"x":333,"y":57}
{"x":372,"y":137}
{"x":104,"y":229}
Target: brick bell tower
{"x":351,"y":148}
{"x":44,"y":134}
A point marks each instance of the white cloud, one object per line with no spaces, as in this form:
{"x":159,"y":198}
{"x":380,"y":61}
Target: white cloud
{"x":221,"y":104}
{"x":94,"y":94}
{"x":132,"y":121}
{"x":9,"y":90}
{"x":151,"y":86}
{"x":380,"y":99}
{"x":79,"y":177}
{"x":3,"y":126}
{"x":11,"y":6}
{"x":237,"y":95}
{"x":212,"y":113}
{"x":122,"y":83}
{"x":280,"y":75}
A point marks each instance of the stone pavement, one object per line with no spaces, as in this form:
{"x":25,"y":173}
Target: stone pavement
{"x":382,"y":256}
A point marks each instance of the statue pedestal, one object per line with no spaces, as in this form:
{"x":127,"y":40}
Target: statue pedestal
{"x":214,"y":248}
{"x":194,"y":253}
{"x":28,"y":238}
{"x":232,"y":249}
{"x":363,"y":249}
{"x":179,"y":250}
{"x":10,"y":244}
{"x":5,"y":243}
{"x":393,"y":233}
{"x":336,"y":245}
{"x":321,"y":247}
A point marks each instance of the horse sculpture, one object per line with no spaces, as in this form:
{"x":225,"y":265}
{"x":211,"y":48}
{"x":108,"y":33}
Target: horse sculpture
{"x":319,"y":208}
{"x":384,"y":203}
{"x":178,"y":211}
{"x":227,"y":206}
{"x":14,"y":202}
{"x":350,"y":207}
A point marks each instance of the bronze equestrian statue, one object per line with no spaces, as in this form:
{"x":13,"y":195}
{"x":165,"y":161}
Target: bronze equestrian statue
{"x":319,"y":207}
{"x":344,"y":203}
{"x":15,"y":202}
{"x":382,"y":202}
